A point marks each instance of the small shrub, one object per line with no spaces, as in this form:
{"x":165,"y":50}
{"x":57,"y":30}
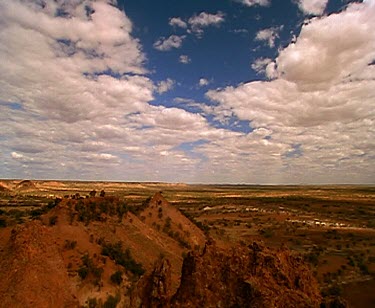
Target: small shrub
{"x":267,"y":233}
{"x":351,"y":261}
{"x":3,"y":223}
{"x":36,"y":213}
{"x":92,"y":303}
{"x":83,"y":272}
{"x":88,"y":267}
{"x":363,"y":268}
{"x":116,"y":277}
{"x":335,"y":290}
{"x":70,"y":244}
{"x":168,"y":223}
{"x":123,"y":258}
{"x":111,"y":301}
{"x":53,"y":220}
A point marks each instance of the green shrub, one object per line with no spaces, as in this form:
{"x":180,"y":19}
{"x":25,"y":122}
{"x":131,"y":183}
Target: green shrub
{"x":335,"y":290}
{"x":112,"y":301}
{"x":83,"y":272}
{"x":267,"y":232}
{"x":91,"y":209}
{"x":88,"y":267}
{"x":123,"y":258}
{"x":116,"y":277}
{"x":53,"y":220}
{"x":36,"y":213}
{"x":92,"y":303}
{"x":70,"y":244}
{"x":363,"y":268}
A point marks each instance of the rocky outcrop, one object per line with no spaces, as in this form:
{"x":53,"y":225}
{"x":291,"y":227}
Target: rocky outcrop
{"x":154,"y":289}
{"x":334,"y":302}
{"x":32,"y":272}
{"x":159,"y":212}
{"x":252,"y":276}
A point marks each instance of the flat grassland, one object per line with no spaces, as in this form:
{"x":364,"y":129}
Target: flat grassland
{"x":332,"y":226}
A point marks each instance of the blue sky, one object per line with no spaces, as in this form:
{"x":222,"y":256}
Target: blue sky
{"x":231,"y":91}
{"x":224,"y":52}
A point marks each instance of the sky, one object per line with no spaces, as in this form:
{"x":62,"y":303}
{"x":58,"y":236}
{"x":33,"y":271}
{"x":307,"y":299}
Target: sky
{"x":194,"y":91}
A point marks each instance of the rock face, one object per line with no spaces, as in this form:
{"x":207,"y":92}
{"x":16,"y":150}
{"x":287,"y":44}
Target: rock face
{"x":252,"y":276}
{"x":32,"y":271}
{"x":160,"y":211}
{"x":38,"y":269}
{"x":154,"y":289}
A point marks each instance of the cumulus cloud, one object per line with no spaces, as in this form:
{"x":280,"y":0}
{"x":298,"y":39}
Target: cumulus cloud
{"x":177,"y":22}
{"x":312,"y":7}
{"x":75,"y":101}
{"x":330,"y":50}
{"x":165,"y":44}
{"x":240,"y":31}
{"x":165,"y":85}
{"x":195,"y":24}
{"x":250,"y":3}
{"x":16,"y":155}
{"x":203,"y":20}
{"x":75,"y":97}
{"x":269,"y":35}
{"x":51,"y":81}
{"x":321,"y":103}
{"x":260,"y":64}
{"x":184,"y":59}
{"x":203,"y":82}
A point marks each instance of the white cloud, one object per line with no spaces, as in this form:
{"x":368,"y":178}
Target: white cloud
{"x":16,"y":155}
{"x":203,"y":82}
{"x":240,"y":31}
{"x":321,"y":104}
{"x":165,"y":44}
{"x":198,"y":22}
{"x":269,"y":35}
{"x":250,"y":3}
{"x":165,"y":85}
{"x":330,"y":50}
{"x":312,"y":7}
{"x":184,"y":59}
{"x":177,"y":22}
{"x":73,"y":121}
{"x":260,"y":64}
{"x":107,"y":36}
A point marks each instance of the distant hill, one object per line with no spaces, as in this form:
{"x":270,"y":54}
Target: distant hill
{"x":26,"y":185}
{"x":4,"y":188}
